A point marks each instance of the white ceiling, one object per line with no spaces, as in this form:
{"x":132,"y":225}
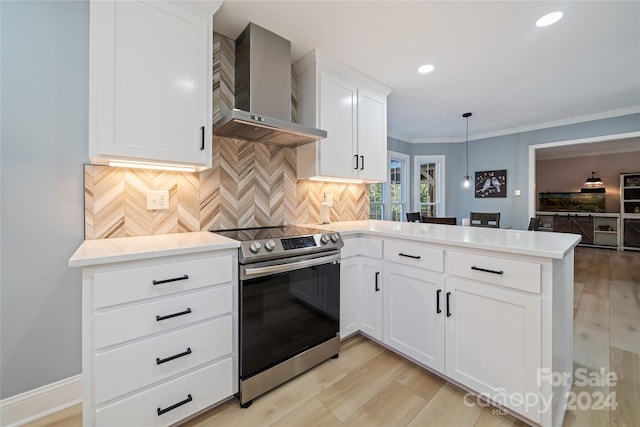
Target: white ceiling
{"x":490,"y":59}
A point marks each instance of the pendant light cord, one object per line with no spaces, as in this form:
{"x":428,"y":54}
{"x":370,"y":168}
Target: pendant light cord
{"x":466,"y":116}
{"x":467,"y":145}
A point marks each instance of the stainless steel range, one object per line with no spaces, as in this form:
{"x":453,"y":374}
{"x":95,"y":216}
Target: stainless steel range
{"x":289,"y":303}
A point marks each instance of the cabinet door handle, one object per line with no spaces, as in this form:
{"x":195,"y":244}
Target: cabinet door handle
{"x":202,"y":143}
{"x":409,"y":256}
{"x":438,"y":292}
{"x":362,"y":163}
{"x":356,"y":156}
{"x":377,"y":287}
{"x":175,"y":356}
{"x":174,"y":279}
{"x":174,"y":406}
{"x":486,"y":270}
{"x":448,"y":304}
{"x":169,"y":316}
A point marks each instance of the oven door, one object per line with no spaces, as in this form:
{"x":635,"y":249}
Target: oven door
{"x":287,"y":306}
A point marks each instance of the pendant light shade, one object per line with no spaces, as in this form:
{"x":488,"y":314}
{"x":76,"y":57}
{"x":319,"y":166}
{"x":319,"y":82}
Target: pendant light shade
{"x":593,"y":185}
{"x":466,"y":181}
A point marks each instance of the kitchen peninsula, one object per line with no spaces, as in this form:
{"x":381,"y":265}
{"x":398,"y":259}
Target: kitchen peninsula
{"x":488,"y":309}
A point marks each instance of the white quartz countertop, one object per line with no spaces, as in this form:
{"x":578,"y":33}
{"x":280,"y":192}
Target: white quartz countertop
{"x":535,"y":243}
{"x":548,"y":245}
{"x":117,"y":249}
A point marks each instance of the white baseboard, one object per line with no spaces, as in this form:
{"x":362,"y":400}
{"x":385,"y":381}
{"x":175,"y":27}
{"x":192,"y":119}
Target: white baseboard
{"x":40,"y":402}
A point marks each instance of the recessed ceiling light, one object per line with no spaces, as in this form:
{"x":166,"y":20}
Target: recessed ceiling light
{"x":549,"y":18}
{"x":427,"y":68}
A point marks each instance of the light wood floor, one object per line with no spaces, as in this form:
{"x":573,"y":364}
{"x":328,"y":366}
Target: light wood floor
{"x":371,"y":386}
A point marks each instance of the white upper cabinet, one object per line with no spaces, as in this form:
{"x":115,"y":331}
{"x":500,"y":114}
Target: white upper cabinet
{"x":372,"y":135}
{"x":352,"y":108}
{"x":338,"y":115}
{"x":150,"y":82}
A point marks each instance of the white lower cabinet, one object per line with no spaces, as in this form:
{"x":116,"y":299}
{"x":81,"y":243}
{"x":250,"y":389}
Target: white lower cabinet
{"x":160,"y":338}
{"x":493,"y":343}
{"x":172,"y":401}
{"x":370,"y":321}
{"x":489,"y":321}
{"x":349,"y":295}
{"x":412,"y":323}
{"x":475,"y":318}
{"x":133,"y":366}
{"x":360,"y":287}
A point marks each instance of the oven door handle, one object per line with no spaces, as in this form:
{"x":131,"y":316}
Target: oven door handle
{"x":298,"y":265}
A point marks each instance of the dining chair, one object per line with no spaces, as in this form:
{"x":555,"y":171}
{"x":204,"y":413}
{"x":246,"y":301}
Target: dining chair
{"x":439,"y":220}
{"x":485,"y":219}
{"x":534,"y":223}
{"x":413,"y":216}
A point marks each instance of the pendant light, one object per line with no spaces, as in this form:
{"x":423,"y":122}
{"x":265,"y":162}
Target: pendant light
{"x":466,"y":181}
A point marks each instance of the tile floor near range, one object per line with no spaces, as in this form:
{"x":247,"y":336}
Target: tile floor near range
{"x":369,"y":385}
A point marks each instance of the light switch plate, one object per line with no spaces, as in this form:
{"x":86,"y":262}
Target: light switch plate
{"x":517,"y":192}
{"x":157,"y":199}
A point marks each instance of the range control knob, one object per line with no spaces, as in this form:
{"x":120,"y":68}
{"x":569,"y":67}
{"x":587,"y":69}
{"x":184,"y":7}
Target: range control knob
{"x":324,"y":239}
{"x":335,"y":238}
{"x":270,"y":245}
{"x":255,"y":247}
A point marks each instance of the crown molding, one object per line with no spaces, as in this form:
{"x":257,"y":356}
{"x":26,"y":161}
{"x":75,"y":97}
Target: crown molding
{"x":522,"y":129}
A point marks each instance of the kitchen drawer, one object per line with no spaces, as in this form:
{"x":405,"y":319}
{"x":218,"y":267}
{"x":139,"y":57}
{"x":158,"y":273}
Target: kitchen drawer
{"x":118,"y":325}
{"x":511,"y":273}
{"x":206,"y":386}
{"x":136,"y":283}
{"x":362,"y":246}
{"x":134,"y":366}
{"x":414,"y":254}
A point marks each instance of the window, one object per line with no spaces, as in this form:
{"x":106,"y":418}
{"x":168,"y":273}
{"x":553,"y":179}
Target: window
{"x":388,"y":200}
{"x":429,"y":185}
{"x":376,"y":201}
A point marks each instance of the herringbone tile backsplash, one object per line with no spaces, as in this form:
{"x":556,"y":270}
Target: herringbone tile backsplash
{"x":249,"y":185}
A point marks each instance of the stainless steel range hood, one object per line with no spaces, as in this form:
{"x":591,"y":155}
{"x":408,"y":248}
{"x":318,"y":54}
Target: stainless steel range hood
{"x":263,"y":93}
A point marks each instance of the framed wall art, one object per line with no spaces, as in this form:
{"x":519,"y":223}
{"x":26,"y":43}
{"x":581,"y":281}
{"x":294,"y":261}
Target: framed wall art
{"x":491,"y":184}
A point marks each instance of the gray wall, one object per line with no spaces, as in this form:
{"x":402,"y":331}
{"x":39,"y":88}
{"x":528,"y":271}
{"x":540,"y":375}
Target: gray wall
{"x":510,"y":152}
{"x":45,"y":58}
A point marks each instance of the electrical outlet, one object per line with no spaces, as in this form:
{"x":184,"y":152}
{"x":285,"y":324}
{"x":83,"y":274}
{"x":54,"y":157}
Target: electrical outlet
{"x":330,"y":199}
{"x":157,"y":199}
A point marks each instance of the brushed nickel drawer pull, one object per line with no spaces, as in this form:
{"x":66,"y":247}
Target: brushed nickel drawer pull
{"x":409,"y":256}
{"x":174,"y":279}
{"x":487,"y":271}
{"x":174,"y":406}
{"x":175,"y":356}
{"x":169,"y":316}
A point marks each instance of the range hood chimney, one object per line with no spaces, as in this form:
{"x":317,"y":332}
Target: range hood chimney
{"x":262,"y":110}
